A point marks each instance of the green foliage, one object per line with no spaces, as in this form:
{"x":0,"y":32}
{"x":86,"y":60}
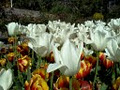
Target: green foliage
{"x":59,"y":7}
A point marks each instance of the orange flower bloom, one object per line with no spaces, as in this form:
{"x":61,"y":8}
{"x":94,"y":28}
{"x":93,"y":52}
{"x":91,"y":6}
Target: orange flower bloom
{"x":91,"y":59}
{"x":11,"y":56}
{"x":23,"y":48}
{"x":102,"y":56}
{"x":44,"y":65}
{"x":84,"y":70}
{"x":42,"y":72}
{"x":106,"y":62}
{"x":11,"y":40}
{"x":62,"y":83}
{"x":116,"y":84}
{"x":23,"y":63}
{"x":36,"y":83}
{"x":2,"y":61}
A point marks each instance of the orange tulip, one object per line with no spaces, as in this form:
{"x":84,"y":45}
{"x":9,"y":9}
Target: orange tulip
{"x":106,"y":62}
{"x":62,"y":83}
{"x":36,"y":83}
{"x":11,"y":40}
{"x":23,"y":63}
{"x":84,"y":70}
{"x":42,"y":72}
{"x":2,"y":61}
{"x":116,"y":84}
{"x":11,"y":56}
{"x":91,"y":59}
{"x":23,"y":48}
{"x":102,"y":56}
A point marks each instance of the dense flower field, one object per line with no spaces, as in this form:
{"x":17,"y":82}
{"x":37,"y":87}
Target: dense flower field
{"x":61,"y":56}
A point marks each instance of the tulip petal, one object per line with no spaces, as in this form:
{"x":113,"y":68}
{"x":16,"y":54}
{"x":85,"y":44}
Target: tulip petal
{"x":70,"y":58}
{"x":112,"y":47}
{"x":53,"y":67}
{"x":6,"y":79}
{"x":57,"y":55}
{"x":41,"y":50}
{"x":118,"y":54}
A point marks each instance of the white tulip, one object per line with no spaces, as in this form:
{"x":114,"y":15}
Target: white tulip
{"x":114,"y":24}
{"x":5,"y":79}
{"x":100,"y":23}
{"x":67,"y":60}
{"x":42,"y":44}
{"x":113,"y":50}
{"x":61,"y":35}
{"x":52,"y":26}
{"x":83,"y":33}
{"x":35,"y":29}
{"x":13,"y":28}
{"x":23,"y":29}
{"x":89,"y":24}
{"x":99,"y":39}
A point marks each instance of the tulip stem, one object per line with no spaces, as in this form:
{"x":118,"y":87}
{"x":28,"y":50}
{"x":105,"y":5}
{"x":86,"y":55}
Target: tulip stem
{"x":15,"y":50}
{"x":51,"y":81}
{"x":96,"y":70}
{"x":28,"y":72}
{"x":70,"y":83}
{"x":38,"y":62}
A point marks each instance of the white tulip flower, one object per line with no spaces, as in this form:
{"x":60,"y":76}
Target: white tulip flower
{"x":53,"y":26}
{"x":113,"y":51}
{"x":99,"y":39}
{"x":100,"y":23}
{"x":13,"y":28}
{"x":35,"y":29}
{"x":61,"y":35}
{"x":42,"y":44}
{"x":89,"y":24}
{"x":82,"y":34}
{"x":67,"y":60}
{"x":114,"y":24}
{"x":5,"y":79}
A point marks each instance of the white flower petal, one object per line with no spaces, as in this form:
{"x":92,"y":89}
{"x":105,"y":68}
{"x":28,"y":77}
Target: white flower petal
{"x":117,"y":55}
{"x":53,"y":67}
{"x":6,"y":79}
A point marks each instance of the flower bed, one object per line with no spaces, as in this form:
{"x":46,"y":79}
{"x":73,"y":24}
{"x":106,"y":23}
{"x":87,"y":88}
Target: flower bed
{"x":61,"y":56}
